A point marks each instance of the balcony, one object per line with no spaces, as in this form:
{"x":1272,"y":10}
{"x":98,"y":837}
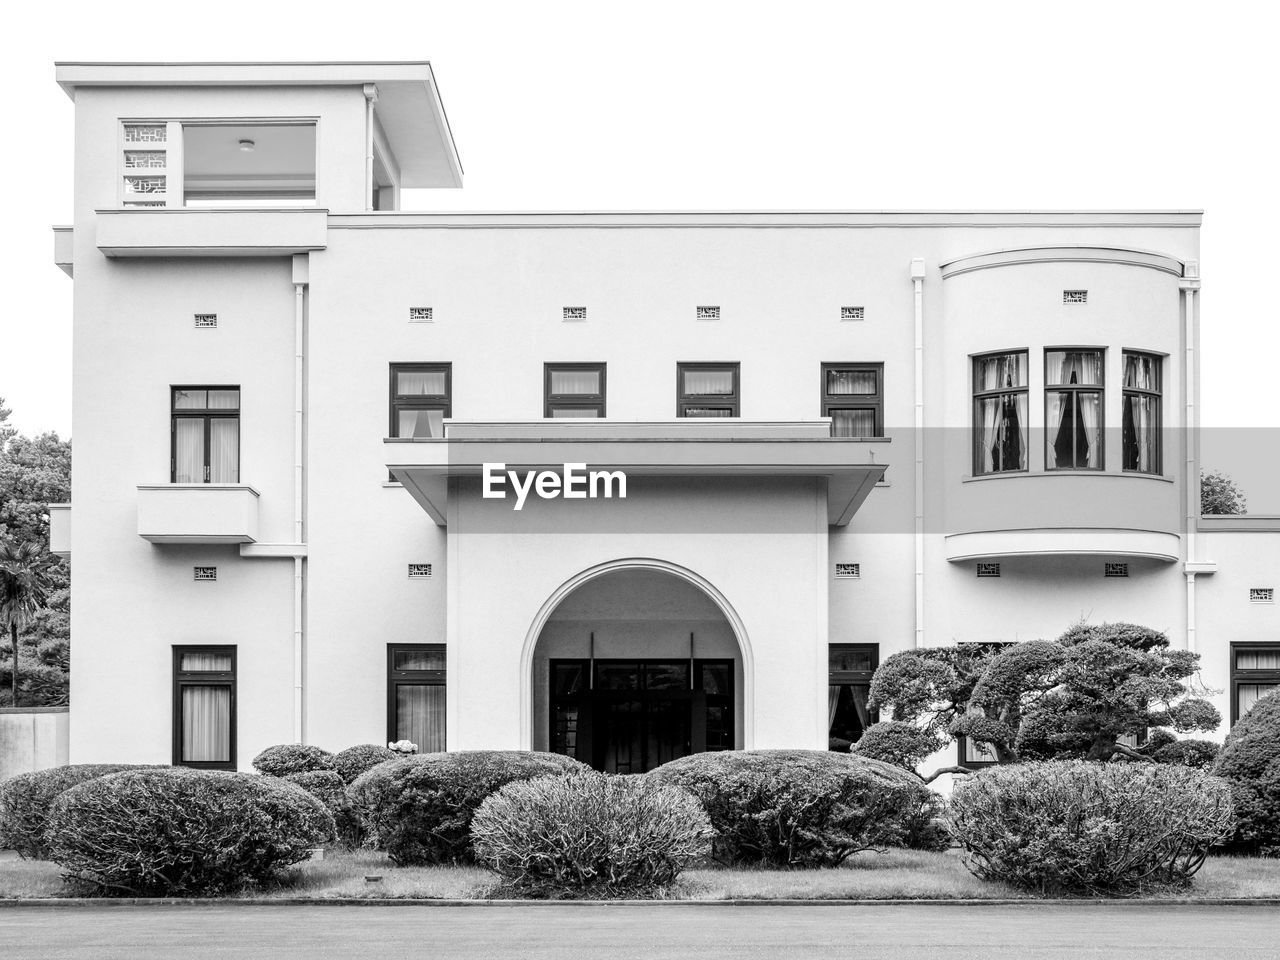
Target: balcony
{"x":198,"y":513}
{"x":197,"y":232}
{"x":60,"y":529}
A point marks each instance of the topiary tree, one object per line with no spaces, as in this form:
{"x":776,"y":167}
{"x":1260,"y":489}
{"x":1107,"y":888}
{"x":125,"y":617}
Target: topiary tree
{"x":1219,"y":494}
{"x":285,"y":758}
{"x":1077,"y":696}
{"x":353,"y":761}
{"x":1250,"y":762}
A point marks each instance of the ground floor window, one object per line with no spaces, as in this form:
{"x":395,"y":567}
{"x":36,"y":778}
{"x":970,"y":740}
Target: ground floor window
{"x":204,"y":707}
{"x":1255,"y":672}
{"x":416,"y":694}
{"x":850,"y":668}
{"x":630,"y":716}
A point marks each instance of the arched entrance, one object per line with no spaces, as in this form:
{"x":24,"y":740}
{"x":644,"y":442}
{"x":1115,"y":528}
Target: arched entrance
{"x":635,"y":663}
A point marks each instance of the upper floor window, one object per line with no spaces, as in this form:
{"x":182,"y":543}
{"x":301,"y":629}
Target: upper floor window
{"x":168,"y":163}
{"x":853,"y":397}
{"x":1140,"y":416}
{"x":1073,"y":403}
{"x":205,"y":434}
{"x":1255,"y":672}
{"x":707,"y":389}
{"x":420,"y":398}
{"x":573,"y":390}
{"x":1000,"y":412}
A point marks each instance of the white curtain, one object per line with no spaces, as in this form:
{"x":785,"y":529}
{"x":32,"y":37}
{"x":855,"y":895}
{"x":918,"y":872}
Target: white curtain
{"x":1250,"y":693}
{"x":1089,"y":415}
{"x":188,"y":450}
{"x":1140,"y":433}
{"x":420,"y":715}
{"x":570,"y":383}
{"x":192,"y":662}
{"x":206,"y":723}
{"x":224,"y":450}
{"x":853,"y":423}
{"x":844,"y":383}
{"x":420,"y":423}
{"x":571,"y":413}
{"x":833,"y":700}
{"x":708,"y":383}
{"x":1001,"y":371}
{"x":1258,"y":660}
{"x":708,"y":412}
{"x":420,"y":383}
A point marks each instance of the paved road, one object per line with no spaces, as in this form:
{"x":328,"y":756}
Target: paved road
{"x":942,"y":931}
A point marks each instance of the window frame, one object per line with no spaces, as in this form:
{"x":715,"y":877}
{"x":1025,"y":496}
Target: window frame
{"x":1157,"y":469}
{"x":843,"y":678}
{"x":574,"y":401}
{"x":397,"y":402}
{"x":873,"y":402}
{"x":206,"y":414}
{"x":962,"y":742}
{"x":1240,"y":677}
{"x":1099,"y":388}
{"x":397,"y":678}
{"x":202,"y":678}
{"x":975,"y":406}
{"x":731,"y":400}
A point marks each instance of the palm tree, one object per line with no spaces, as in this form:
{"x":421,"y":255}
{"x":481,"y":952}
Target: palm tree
{"x":24,"y":588}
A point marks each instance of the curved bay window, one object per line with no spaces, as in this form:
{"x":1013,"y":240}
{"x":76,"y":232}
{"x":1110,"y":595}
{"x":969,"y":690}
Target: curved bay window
{"x":850,"y":667}
{"x":1073,"y":381}
{"x":1140,"y":417}
{"x":1000,"y":412}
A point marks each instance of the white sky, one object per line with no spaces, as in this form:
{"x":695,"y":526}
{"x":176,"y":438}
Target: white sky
{"x":744,"y":105}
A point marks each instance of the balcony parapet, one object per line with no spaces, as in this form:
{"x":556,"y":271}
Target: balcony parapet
{"x":60,"y":529}
{"x":201,"y":232}
{"x":198,"y":513}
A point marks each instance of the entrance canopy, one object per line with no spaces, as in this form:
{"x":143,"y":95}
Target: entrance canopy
{"x":677,"y":448}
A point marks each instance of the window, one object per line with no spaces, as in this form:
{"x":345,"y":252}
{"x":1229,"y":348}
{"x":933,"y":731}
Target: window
{"x":205,"y":435}
{"x":850,"y":667}
{"x":1140,"y":418}
{"x":420,"y":398}
{"x":1073,"y":409}
{"x":853,"y":397}
{"x":707,"y":389}
{"x":1255,"y":672}
{"x":573,"y":390}
{"x":204,"y":707}
{"x":416,"y":694}
{"x":1000,"y":412}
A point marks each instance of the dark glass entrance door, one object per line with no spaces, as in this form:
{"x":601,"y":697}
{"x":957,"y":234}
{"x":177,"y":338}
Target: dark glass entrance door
{"x":630,"y":716}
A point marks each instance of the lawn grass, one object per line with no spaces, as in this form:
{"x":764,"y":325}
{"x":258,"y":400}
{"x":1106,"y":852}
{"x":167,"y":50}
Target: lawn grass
{"x":889,"y":875}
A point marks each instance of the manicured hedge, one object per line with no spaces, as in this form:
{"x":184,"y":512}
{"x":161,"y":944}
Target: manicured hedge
{"x":286,"y":758}
{"x":327,"y":787}
{"x":26,"y":799}
{"x":178,"y":832}
{"x":799,"y":808}
{"x":353,"y":761}
{"x":1077,"y":826}
{"x":419,"y":808}
{"x":1250,"y":762}
{"x":589,"y":835}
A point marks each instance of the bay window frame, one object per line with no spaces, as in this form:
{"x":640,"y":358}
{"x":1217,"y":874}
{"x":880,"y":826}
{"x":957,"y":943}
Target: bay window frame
{"x":1100,"y":388}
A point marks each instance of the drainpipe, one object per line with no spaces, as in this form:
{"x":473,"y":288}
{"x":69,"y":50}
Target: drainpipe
{"x":370,"y":98}
{"x":301,"y":279}
{"x":917,"y":280}
{"x":1190,"y":286}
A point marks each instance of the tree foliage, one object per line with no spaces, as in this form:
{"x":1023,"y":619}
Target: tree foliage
{"x":1219,"y":494}
{"x":1074,"y":697}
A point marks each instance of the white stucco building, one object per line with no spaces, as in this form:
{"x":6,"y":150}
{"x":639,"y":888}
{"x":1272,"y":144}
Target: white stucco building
{"x":843,"y":435}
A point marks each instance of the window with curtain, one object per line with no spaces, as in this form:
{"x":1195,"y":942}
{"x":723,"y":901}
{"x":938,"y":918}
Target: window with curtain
{"x":573,"y":390}
{"x":850,"y":667}
{"x":1073,"y":403}
{"x":416,"y":695}
{"x":1000,"y":412}
{"x":707,"y":389}
{"x":204,"y":707}
{"x":853,"y":397}
{"x":1140,"y":416}
{"x":205,"y":432}
{"x":1255,"y":672}
{"x":420,"y":398}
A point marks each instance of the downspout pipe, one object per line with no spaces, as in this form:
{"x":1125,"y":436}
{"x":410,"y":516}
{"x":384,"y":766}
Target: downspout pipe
{"x":917,"y":281}
{"x":1190,"y":287}
{"x":301,"y":280}
{"x":370,"y":98}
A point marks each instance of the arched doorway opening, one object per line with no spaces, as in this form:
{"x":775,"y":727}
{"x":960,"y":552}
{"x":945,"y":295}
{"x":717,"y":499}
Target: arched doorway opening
{"x":637,"y":663}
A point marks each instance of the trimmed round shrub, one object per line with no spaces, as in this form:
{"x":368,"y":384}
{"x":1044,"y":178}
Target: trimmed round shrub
{"x":1076,"y":826}
{"x":353,"y":761}
{"x":419,"y":808}
{"x":798,"y":808}
{"x":26,"y":799}
{"x":1250,"y":762}
{"x":898,"y":742}
{"x":286,"y":758}
{"x":327,"y":787}
{"x":1200,"y":754}
{"x":588,"y":835}
{"x":179,"y":833}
